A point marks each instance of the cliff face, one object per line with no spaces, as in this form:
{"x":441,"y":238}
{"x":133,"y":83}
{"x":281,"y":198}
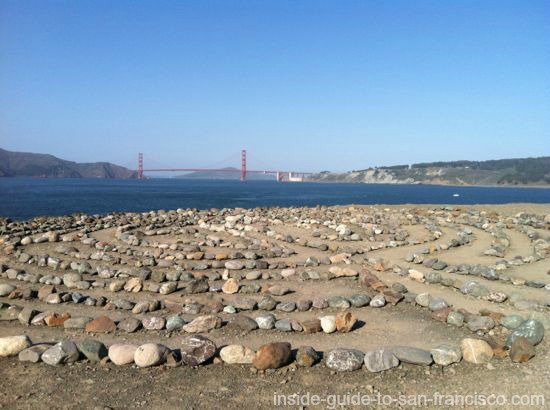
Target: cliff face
{"x":521,"y":171}
{"x":25,"y":164}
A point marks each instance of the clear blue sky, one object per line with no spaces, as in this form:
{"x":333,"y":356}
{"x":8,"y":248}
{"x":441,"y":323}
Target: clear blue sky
{"x":303,"y":85}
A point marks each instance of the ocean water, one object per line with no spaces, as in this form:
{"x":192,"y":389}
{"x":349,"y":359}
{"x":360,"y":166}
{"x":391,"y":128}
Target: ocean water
{"x":23,"y":198}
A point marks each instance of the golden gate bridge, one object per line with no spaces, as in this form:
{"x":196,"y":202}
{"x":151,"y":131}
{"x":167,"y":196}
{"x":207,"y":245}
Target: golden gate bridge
{"x":243,"y":170}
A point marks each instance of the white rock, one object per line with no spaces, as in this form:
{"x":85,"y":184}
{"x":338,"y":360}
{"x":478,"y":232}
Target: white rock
{"x":328,"y":324}
{"x":12,"y":345}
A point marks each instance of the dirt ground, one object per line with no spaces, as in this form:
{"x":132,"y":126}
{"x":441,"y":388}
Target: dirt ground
{"x":218,"y":385}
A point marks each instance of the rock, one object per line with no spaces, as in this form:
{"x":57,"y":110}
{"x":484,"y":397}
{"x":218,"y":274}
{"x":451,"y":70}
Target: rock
{"x":101,"y":324}
{"x":243,"y":324}
{"x":378,"y":301}
{"x":532,"y":329}
{"x":234,"y":265}
{"x":303,"y":305}
{"x":12,"y":345}
{"x":150,"y":354}
{"x":522,"y":350}
{"x":266,"y":322}
{"x":307,"y":356}
{"x":455,"y":318}
{"x":476,"y":351}
{"x":476,"y":322}
{"x":54,"y":319}
{"x":153,"y":322}
{"x":511,"y":321}
{"x":286,"y":307}
{"x":93,"y":350}
{"x":244,"y":304}
{"x":345,"y":322}
{"x":6,"y":289}
{"x":267,"y":303}
{"x":34,"y":353}
{"x":423,"y":299}
{"x":338,"y":302}
{"x":196,"y":350}
{"x":129,"y":324}
{"x":174,"y":322}
{"x":168,"y":287}
{"x":359,"y":300}
{"x":416,"y":275}
{"x":203,"y":324}
{"x":231,"y":286}
{"x":344,"y":360}
{"x":328,"y":324}
{"x":320,"y":303}
{"x":272,"y":356}
{"x":278,"y":290}
{"x":437,"y":304}
{"x":432,"y":277}
{"x":237,"y":354}
{"x":79,"y":322}
{"x":380,"y":360}
{"x":441,"y":315}
{"x":446,"y":354}
{"x":474,"y":288}
{"x":412,"y":355}
{"x":284,"y":325}
{"x":62,"y":353}
{"x":121,"y":354}
{"x":26,"y":315}
{"x":311,"y":326}
{"x":393,"y":297}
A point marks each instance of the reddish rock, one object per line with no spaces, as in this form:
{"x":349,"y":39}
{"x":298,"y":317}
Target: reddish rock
{"x":272,"y":356}
{"x":393,"y":297}
{"x":311,"y":326}
{"x":173,"y":306}
{"x":56,"y":319}
{"x":522,"y":350}
{"x":101,"y":324}
{"x":231,"y":286}
{"x":441,"y":314}
{"x":372,"y":281}
{"x":345,"y":322}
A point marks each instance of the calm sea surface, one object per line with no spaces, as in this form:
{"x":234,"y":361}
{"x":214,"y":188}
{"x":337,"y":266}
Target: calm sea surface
{"x":22,"y":198}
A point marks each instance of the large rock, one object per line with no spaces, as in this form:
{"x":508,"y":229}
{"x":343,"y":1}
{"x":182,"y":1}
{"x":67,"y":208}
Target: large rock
{"x":412,"y":355}
{"x":121,"y":354}
{"x":522,"y":350}
{"x":129,"y":324}
{"x":345,"y":322}
{"x":307,"y":356}
{"x":6,"y":289}
{"x":446,"y":354}
{"x":203,"y":324}
{"x":474,"y":288}
{"x":101,"y":324}
{"x":237,"y":354}
{"x":344,"y":360}
{"x":150,"y":354}
{"x":380,"y":360}
{"x":62,"y":353}
{"x":476,"y":322}
{"x":34,"y":353}
{"x":476,"y":351}
{"x":12,"y":345}
{"x":94,"y":350}
{"x":272,"y":356}
{"x":532,"y":329}
{"x":196,"y":350}
{"x":328,"y":324}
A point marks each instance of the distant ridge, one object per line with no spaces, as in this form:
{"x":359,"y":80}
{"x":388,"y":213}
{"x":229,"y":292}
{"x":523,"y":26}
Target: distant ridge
{"x":515,"y":171}
{"x":26,"y":164}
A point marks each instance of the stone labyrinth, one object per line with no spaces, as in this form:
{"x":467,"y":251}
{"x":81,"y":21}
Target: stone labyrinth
{"x":341,"y":287}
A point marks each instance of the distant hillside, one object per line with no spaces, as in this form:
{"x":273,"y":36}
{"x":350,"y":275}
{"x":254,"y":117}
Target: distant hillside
{"x":226,"y":175}
{"x":519,"y":171}
{"x":25,"y":164}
